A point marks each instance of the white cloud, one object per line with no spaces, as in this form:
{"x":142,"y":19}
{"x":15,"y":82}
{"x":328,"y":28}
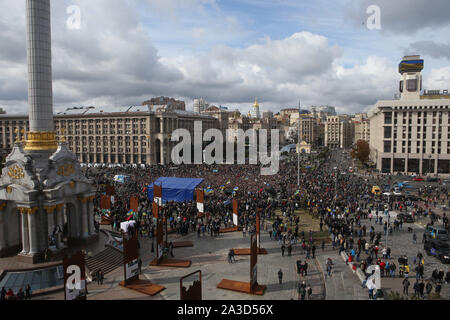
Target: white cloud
{"x":113,"y":58}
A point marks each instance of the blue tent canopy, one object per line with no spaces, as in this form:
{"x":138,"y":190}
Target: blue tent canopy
{"x":175,"y":189}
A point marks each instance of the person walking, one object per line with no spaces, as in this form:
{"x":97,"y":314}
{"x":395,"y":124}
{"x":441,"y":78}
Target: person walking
{"x":329,"y":266}
{"x":406,"y":285}
{"x":280,"y":276}
{"x":28,"y":292}
{"x":282,"y":249}
{"x":414,"y":238}
{"x":309,"y":292}
{"x":428,"y":288}
{"x":302,"y":291}
{"x":140,"y":266}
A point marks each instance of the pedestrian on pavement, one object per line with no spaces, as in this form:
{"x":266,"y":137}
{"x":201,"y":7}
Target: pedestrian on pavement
{"x":282,"y":249}
{"x":309,"y":292}
{"x":280,"y":276}
{"x":406,"y":285}
{"x":28,"y":292}
{"x":428,"y":288}
{"x":414,"y":238}
{"x":302,"y":291}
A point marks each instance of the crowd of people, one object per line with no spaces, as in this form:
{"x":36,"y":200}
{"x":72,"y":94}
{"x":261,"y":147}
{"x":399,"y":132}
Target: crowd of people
{"x":342,"y":202}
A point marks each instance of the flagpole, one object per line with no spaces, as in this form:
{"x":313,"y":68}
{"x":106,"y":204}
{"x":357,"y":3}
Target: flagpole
{"x":298,"y":149}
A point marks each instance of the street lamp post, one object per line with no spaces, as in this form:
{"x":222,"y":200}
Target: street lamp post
{"x":298,"y":147}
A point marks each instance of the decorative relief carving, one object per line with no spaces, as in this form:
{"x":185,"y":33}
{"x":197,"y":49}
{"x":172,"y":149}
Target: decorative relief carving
{"x":16,"y":172}
{"x":65,"y":170}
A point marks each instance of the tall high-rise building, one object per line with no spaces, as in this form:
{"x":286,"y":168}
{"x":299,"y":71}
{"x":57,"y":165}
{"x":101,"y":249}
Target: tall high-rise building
{"x":414,"y":131}
{"x":200,"y":105}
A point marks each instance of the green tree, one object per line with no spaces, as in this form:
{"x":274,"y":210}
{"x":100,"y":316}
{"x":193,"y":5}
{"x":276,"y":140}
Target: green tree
{"x":361,"y":151}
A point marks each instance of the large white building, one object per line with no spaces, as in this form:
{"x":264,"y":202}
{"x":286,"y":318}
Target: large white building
{"x":412,"y":133}
{"x":339,"y":132}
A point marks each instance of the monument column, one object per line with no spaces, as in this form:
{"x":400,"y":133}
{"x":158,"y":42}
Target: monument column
{"x":2,"y":226}
{"x":50,"y":210}
{"x":84,"y":218}
{"x":90,"y":215}
{"x":60,"y":224}
{"x":33,"y":234}
{"x":25,"y":232}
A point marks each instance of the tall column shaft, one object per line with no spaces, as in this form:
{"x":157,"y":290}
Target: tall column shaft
{"x":33,"y":235}
{"x":84,"y":220}
{"x":41,"y":136}
{"x":25,"y":234}
{"x":40,"y":96}
{"x":90,"y":214}
{"x":60,"y":224}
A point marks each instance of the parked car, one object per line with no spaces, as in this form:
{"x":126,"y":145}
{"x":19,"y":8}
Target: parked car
{"x":405,"y":217}
{"x":437,"y":248}
{"x":437,"y":233}
{"x":432,"y":179}
{"x":376,"y":190}
{"x":418,"y":179}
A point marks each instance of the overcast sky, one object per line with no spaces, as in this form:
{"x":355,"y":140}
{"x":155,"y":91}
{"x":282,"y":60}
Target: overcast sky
{"x":228,"y":52}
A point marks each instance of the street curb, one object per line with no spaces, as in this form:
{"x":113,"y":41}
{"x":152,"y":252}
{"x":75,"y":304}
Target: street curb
{"x":359,"y":274}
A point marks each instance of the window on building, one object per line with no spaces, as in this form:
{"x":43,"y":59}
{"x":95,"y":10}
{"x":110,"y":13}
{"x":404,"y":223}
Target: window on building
{"x":387,"y":146}
{"x":411,"y":85}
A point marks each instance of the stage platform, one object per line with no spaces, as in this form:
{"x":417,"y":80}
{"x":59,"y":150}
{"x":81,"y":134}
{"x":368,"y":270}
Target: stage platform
{"x":144,"y":286}
{"x":228,"y":230}
{"x":243,"y":287}
{"x":246,"y":251}
{"x":182,"y":244}
{"x":171,"y":263}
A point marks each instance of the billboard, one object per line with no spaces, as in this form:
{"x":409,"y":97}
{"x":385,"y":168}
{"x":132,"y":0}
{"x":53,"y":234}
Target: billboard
{"x":253,"y":262}
{"x":235,"y":212}
{"x":130,"y":257}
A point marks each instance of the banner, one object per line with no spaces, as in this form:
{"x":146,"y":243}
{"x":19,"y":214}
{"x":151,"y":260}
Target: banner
{"x":155,"y":210}
{"x":110,"y":191}
{"x":130,"y":257}
{"x":132,"y":269}
{"x":200,"y":196}
{"x":253,"y":262}
{"x":160,"y":239}
{"x":194,"y":291}
{"x":157,"y":194}
{"x":235,"y":212}
{"x":134,"y":203}
{"x":258,"y":226}
{"x":105,"y":202}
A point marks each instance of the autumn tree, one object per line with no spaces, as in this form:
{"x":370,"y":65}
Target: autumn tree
{"x":361,"y":151}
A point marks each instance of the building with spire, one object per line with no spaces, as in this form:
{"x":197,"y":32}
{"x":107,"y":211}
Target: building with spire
{"x":255,"y":113}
